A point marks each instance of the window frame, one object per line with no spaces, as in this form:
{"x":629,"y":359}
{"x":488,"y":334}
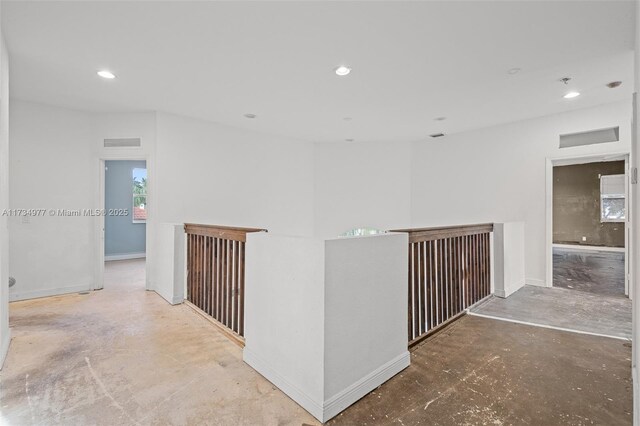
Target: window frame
{"x":622,"y":196}
{"x":133,"y":199}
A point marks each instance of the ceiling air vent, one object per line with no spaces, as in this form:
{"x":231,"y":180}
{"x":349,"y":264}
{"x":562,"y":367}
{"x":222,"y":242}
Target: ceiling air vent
{"x":122,"y":143}
{"x":611,"y":134}
{"x":437,"y":135}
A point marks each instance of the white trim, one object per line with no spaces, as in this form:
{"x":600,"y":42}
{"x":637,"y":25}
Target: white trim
{"x":551,"y":327}
{"x":333,"y":406}
{"x":100,"y":202}
{"x":589,"y":248}
{"x":14,"y":297}
{"x":4,"y":347}
{"x":305,"y":401}
{"x":535,"y":282}
{"x":125,"y":256}
{"x":339,"y":402}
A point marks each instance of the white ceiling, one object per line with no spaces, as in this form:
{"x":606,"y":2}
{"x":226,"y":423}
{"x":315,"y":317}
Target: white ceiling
{"x":412,"y":61}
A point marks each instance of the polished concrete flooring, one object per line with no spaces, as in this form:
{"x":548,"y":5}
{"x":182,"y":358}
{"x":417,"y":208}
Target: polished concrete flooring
{"x":563,"y":308}
{"x":123,"y":356}
{"x":598,"y":272}
{"x":480,"y":371}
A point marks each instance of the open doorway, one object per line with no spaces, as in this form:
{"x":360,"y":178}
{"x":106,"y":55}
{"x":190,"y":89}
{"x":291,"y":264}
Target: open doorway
{"x":125,"y":202}
{"x":590,"y":227}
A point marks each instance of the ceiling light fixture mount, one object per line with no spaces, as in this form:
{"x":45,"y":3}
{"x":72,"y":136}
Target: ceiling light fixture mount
{"x":106,"y":74}
{"x":342,"y":70}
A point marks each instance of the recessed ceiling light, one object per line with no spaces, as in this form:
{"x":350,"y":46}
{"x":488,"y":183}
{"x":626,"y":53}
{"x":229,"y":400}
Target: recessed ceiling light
{"x":440,"y":118}
{"x":571,"y":95}
{"x":514,"y":71}
{"x":106,"y":74}
{"x":614,"y":84}
{"x":437,"y":135}
{"x":342,"y":70}
{"x":250,"y":115}
{"x":349,"y":140}
{"x":347,"y":118}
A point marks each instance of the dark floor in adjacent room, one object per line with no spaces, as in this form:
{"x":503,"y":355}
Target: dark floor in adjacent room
{"x":480,"y":371}
{"x":600,"y":272}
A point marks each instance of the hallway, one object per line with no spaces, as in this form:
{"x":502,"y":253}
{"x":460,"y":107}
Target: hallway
{"x":122,"y":355}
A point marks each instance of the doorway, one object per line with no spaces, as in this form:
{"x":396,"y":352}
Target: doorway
{"x":587,"y":206}
{"x":125,"y":216}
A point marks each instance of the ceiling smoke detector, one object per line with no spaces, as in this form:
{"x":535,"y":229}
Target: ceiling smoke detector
{"x":614,"y":84}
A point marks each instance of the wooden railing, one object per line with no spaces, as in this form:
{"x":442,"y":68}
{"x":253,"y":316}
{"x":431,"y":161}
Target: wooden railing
{"x":215,"y":272}
{"x":449,"y":270}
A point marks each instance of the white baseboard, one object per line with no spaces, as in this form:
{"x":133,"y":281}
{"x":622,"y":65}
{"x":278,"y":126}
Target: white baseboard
{"x":312,"y":406}
{"x":535,"y":282}
{"x":4,"y":347}
{"x":337,"y":403}
{"x":14,"y":297}
{"x":589,"y":248}
{"x":324,"y":411}
{"x":125,"y":256}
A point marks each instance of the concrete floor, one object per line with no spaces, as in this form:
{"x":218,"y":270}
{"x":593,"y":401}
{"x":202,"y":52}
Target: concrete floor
{"x":485,"y":372}
{"x":123,"y":356}
{"x":563,"y":308}
{"x":599,"y":272}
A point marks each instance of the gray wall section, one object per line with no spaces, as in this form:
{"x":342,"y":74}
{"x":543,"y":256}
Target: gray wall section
{"x":576,"y":205}
{"x":122,"y":236}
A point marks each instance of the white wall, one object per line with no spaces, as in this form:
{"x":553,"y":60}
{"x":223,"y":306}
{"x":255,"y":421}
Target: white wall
{"x":362,"y":185}
{"x":198,"y":172}
{"x":171,"y":261}
{"x":325,"y":320}
{"x":5,"y":335}
{"x":215,"y":174}
{"x":365,"y":321}
{"x":52,"y":167}
{"x":498,"y":174}
{"x":284,"y":337}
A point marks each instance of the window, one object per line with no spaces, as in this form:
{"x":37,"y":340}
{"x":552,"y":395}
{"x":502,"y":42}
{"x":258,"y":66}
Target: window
{"x":139,"y":195}
{"x":612,"y":198}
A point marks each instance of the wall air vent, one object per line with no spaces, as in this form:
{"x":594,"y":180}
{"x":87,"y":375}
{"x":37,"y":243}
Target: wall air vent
{"x":437,"y":135}
{"x":122,"y":143}
{"x":611,"y":134}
